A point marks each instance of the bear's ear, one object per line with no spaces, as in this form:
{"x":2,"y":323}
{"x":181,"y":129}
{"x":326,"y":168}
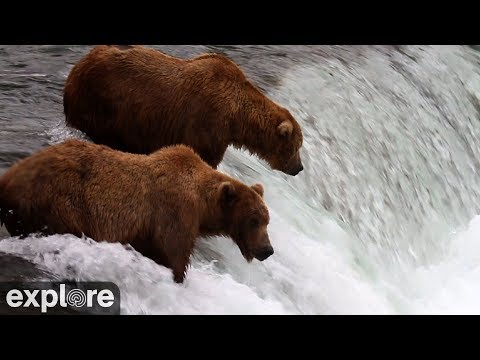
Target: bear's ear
{"x":285,"y":129}
{"x":258,"y":188}
{"x":228,"y":194}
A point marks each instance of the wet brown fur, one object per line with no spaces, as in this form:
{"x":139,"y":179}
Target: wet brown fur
{"x":158,"y":203}
{"x":137,"y":99}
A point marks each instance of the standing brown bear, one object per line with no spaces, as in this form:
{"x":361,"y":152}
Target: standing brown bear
{"x":138,"y":100}
{"x":159,"y":203}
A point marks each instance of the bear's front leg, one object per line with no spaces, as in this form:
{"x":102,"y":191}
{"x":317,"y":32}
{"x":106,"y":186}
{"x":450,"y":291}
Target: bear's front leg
{"x":179,"y":273}
{"x":174,"y":249}
{"x":211,"y":152}
{"x":175,"y":234}
{"x":179,"y":258}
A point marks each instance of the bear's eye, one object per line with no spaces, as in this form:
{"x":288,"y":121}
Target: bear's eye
{"x":254,"y":222}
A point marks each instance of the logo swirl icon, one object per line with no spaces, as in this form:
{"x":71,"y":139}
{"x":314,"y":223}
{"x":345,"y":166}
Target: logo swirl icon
{"x":76,"y":297}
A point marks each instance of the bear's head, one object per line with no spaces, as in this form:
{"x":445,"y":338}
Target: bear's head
{"x":286,"y":139}
{"x":246,"y":218}
{"x":262,"y":126}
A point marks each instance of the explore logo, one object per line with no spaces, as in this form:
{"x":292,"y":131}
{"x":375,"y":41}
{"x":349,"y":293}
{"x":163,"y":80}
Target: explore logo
{"x":59,"y":298}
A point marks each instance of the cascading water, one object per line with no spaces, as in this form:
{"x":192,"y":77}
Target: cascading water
{"x":382,"y":219}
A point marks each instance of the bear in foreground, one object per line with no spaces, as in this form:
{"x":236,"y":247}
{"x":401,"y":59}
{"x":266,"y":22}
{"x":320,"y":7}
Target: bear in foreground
{"x":137,"y":99}
{"x":158,"y":203}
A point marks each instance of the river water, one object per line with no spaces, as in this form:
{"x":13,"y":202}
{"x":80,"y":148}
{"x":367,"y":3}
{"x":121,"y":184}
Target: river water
{"x":383,"y":220}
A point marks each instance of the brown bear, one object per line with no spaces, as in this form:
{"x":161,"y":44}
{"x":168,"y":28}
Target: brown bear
{"x":158,"y":203}
{"x":137,"y":99}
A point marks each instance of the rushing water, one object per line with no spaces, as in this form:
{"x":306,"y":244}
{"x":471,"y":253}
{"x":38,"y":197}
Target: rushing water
{"x":382,"y":219}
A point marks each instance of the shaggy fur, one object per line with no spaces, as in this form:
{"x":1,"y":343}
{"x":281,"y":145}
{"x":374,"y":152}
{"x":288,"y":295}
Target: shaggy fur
{"x":138,"y":100}
{"x":158,"y":203}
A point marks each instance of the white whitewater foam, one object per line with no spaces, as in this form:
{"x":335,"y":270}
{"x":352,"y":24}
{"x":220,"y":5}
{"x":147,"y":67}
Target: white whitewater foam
{"x":304,"y":277}
{"x":319,"y":267}
{"x":451,"y":286}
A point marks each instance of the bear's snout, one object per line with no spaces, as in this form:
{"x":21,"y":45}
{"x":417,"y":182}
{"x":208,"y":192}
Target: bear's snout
{"x":296,"y":170}
{"x":264,"y":253}
{"x":294,"y":166}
